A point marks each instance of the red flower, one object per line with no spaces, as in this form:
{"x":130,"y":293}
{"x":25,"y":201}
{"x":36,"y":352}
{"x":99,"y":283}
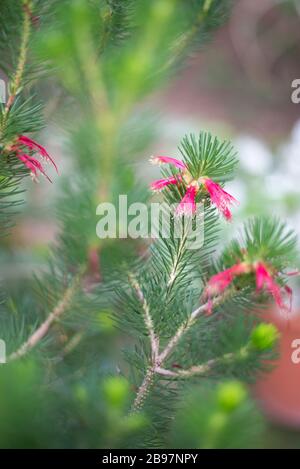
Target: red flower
{"x":265,"y":280}
{"x":159,"y":184}
{"x":167,"y":160}
{"x":187,"y":205}
{"x":219,"y":197}
{"x":36,"y":147}
{"x":30,"y":161}
{"x":218,"y":283}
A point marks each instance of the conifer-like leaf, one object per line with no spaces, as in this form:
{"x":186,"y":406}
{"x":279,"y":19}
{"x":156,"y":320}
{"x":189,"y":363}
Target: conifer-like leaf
{"x":208,"y":156}
{"x":265,"y":239}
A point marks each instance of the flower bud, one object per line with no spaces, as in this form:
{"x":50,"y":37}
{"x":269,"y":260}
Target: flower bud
{"x":264,"y":336}
{"x":230,"y":395}
{"x":116,"y":391}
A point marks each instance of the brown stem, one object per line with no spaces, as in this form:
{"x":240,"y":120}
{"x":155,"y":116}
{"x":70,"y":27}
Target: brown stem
{"x":147,"y":317}
{"x":158,"y":359}
{"x":43,"y":329}
{"x":143,"y":390}
{"x":204,"y":367}
{"x":197,"y":369}
{"x":185,"y":327}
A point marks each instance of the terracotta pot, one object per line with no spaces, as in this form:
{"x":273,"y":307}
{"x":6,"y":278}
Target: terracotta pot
{"x":279,"y":391}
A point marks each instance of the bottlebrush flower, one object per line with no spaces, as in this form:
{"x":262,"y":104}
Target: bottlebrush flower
{"x":219,"y":197}
{"x":167,"y":160}
{"x":218,"y":283}
{"x":265,"y":280}
{"x":37,"y":148}
{"x":187,"y":206}
{"x":159,"y":184}
{"x":28,"y":160}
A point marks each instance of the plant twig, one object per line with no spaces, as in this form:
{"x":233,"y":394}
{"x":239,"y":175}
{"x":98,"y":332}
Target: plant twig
{"x":203,"y":368}
{"x":184,"y":327}
{"x":158,"y":359}
{"x":18,"y":76}
{"x":43,"y":329}
{"x":143,"y":390}
{"x":154,"y":341}
{"x":72,"y":344}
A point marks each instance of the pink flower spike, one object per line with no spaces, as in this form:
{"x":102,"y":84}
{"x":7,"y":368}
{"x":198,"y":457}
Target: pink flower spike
{"x":32,"y":164}
{"x":187,"y":205}
{"x":167,"y":160}
{"x":219,"y":197}
{"x":159,"y":184}
{"x":219,"y":282}
{"x":32,"y":145}
{"x":294,"y":273}
{"x":265,"y":280}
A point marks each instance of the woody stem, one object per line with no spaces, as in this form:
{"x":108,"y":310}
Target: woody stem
{"x":43,"y":329}
{"x":143,"y":390}
{"x":18,"y":76}
{"x":157,"y":361}
{"x":184,"y":327}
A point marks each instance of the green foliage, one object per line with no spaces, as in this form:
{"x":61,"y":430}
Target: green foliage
{"x":65,"y":328}
{"x":208,"y":419}
{"x":10,"y":192}
{"x":263,"y":239}
{"x":270,"y":240}
{"x":33,"y":416}
{"x":207,"y":156}
{"x":25,"y":116}
{"x":10,"y":21}
{"x":19,"y":411}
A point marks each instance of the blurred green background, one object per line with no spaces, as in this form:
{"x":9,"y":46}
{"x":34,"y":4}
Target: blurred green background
{"x":238,"y":87}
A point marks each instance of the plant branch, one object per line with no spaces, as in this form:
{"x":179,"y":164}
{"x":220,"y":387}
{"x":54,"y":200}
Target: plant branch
{"x":205,"y":367}
{"x":154,"y":340}
{"x":143,"y":390}
{"x":184,"y":327}
{"x":43,"y":329}
{"x":157,"y":360}
{"x":18,"y":76}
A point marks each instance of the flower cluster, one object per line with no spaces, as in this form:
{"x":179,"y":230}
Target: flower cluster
{"x":187,"y":206}
{"x":264,"y":276}
{"x":25,"y":148}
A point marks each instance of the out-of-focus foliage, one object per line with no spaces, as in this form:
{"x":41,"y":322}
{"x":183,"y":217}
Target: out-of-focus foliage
{"x":89,"y":413}
{"x":214,"y":417}
{"x":66,"y":383}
